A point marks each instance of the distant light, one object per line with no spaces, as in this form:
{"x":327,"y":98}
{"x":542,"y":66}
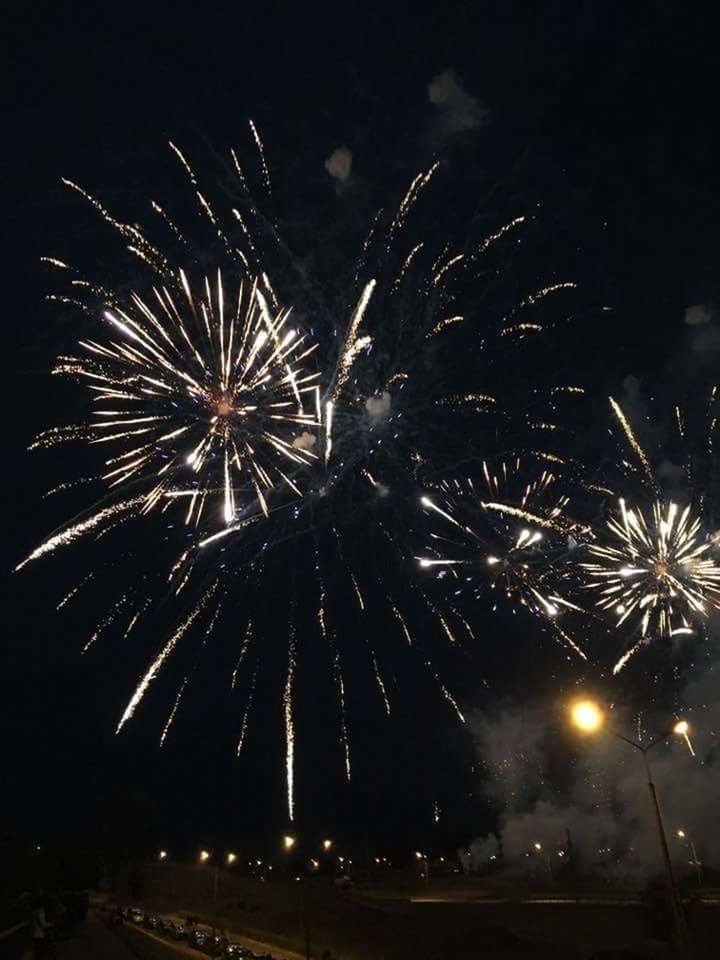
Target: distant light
{"x":418,"y":855}
{"x":681,"y":728}
{"x":204,"y":856}
{"x":681,"y":834}
{"x":231,"y":858}
{"x":289,"y":841}
{"x":327,"y":844}
{"x":161,"y":856}
{"x":538,"y":846}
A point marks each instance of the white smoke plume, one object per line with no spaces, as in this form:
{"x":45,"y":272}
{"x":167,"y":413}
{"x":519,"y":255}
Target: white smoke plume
{"x":604,"y":803}
{"x":458,"y":109}
{"x":306,"y":441}
{"x":378,"y":408}
{"x":339,"y":165}
{"x":698,"y":315}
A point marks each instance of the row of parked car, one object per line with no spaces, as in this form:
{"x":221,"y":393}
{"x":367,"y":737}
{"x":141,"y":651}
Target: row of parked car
{"x":194,"y":936}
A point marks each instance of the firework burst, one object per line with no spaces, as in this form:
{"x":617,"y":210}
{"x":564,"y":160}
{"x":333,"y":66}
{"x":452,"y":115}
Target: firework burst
{"x":294,"y":452}
{"x":198,"y":397}
{"x":656,"y":571}
{"x":653,"y":567}
{"x":509,"y":535}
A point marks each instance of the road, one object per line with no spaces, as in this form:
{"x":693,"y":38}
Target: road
{"x":92,"y":941}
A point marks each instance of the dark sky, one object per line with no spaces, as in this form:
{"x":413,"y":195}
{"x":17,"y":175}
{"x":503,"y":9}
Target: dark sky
{"x":601,"y":113}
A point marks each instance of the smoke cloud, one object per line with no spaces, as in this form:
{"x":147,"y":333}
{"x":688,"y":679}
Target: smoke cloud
{"x":602,"y":801}
{"x":457,"y":109}
{"x":378,"y":408}
{"x":306,"y":441}
{"x":339,"y":165}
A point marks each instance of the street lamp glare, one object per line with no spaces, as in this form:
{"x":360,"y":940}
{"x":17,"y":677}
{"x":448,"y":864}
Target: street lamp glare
{"x":288,"y":841}
{"x":538,"y":846}
{"x":587,"y":716}
{"x":681,"y":728}
{"x":231,"y":858}
{"x":327,"y":844}
{"x":681,"y":834}
{"x":204,"y":856}
{"x":162,"y":855}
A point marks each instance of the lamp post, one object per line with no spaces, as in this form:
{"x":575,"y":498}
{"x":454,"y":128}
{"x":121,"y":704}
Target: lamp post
{"x":289,"y":842}
{"x":204,"y":856}
{"x":690,"y":843}
{"x":589,"y":718}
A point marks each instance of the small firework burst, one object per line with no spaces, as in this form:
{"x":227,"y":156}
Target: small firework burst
{"x":653,"y":566}
{"x":509,"y":533}
{"x":654,"y":570}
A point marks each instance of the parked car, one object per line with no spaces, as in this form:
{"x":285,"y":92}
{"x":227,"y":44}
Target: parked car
{"x":152,"y":921}
{"x":178,"y":931}
{"x":137,"y":915}
{"x":236,"y":951}
{"x":198,"y":938}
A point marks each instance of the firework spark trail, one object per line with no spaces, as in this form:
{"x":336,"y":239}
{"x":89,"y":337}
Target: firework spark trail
{"x":340,"y":684}
{"x":448,"y":696}
{"x":246,"y":713}
{"x":181,"y":690}
{"x":289,"y":724}
{"x":247,"y":640}
{"x":353,"y":344}
{"x":171,"y":717}
{"x":261,"y":151}
{"x":157,"y":664}
{"x":77,"y":530}
{"x":107,"y":620}
{"x":73,"y":592}
{"x":331,"y":639}
{"x":633,"y":441}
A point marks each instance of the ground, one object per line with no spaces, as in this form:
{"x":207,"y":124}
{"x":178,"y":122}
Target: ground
{"x":445,"y":920}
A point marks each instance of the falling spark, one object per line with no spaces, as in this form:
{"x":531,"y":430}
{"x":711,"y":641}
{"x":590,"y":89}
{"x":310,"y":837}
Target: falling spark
{"x":157,"y":664}
{"x":76,"y":530}
{"x":289,"y":725}
{"x":171,"y":717}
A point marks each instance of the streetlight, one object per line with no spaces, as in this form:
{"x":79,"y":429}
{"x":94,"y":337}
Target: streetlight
{"x":538,"y":848}
{"x":695,"y":862}
{"x":204,"y":856}
{"x":162,"y":855}
{"x":231,"y":858}
{"x":289,"y":842}
{"x":422,"y":857}
{"x":327,"y":845}
{"x":681,"y":728}
{"x":586,"y":716}
{"x":589,"y":718}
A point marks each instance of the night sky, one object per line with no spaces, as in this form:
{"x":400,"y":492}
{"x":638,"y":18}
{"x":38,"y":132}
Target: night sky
{"x":597,"y":115}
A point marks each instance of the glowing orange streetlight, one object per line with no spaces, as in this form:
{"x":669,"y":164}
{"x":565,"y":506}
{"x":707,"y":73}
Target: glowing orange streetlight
{"x":587,"y":716}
